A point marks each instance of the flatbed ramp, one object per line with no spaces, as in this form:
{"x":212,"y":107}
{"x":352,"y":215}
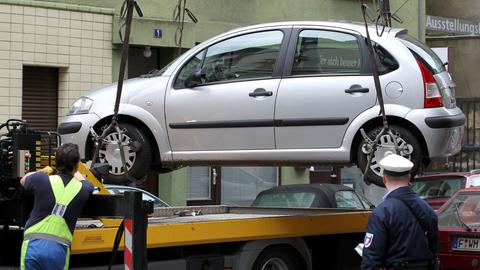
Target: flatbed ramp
{"x":182,"y":226}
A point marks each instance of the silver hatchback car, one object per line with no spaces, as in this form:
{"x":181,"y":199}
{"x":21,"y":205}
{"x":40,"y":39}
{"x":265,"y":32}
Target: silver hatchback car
{"x":277,"y":94}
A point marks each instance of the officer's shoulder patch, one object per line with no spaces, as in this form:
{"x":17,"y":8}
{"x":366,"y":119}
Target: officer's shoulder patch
{"x":368,"y":239}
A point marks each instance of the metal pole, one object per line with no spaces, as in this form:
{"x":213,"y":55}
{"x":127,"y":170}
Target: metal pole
{"x":136,"y":221}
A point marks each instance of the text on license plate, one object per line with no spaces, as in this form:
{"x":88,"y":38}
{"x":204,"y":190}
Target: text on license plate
{"x":462,"y":243}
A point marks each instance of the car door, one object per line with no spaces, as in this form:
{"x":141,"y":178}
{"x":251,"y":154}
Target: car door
{"x":326,"y":87}
{"x":233,"y":107}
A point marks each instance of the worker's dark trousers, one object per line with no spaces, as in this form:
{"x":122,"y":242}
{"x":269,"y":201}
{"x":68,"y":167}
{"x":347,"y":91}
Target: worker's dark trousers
{"x":45,"y":255}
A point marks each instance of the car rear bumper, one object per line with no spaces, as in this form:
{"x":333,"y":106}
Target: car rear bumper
{"x":75,"y":129}
{"x":442,"y":129}
{"x":459,"y":261}
{"x":448,"y":121}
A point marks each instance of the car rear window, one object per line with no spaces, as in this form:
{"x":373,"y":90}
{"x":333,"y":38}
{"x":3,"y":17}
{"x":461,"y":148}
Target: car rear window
{"x":348,"y":199}
{"x":438,"y":187}
{"x":464,"y":208}
{"x":424,"y":52}
{"x":286,"y":199}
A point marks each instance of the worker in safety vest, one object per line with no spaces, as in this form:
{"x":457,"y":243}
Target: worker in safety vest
{"x":58,"y":201}
{"x":402,"y":231}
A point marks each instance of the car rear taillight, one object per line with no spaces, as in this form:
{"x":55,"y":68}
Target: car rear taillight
{"x":433,"y":98}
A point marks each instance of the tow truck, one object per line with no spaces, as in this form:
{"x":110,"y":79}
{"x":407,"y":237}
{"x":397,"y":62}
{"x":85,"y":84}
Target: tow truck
{"x":207,"y":237}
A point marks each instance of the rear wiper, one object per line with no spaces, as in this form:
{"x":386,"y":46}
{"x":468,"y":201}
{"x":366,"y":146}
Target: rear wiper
{"x":459,"y":218}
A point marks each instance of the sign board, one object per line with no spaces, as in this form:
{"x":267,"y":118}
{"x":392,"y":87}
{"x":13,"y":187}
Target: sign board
{"x":157,"y":33}
{"x":451,"y":25}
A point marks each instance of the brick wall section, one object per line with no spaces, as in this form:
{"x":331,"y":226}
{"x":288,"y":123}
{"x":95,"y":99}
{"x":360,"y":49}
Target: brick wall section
{"x":76,"y":40}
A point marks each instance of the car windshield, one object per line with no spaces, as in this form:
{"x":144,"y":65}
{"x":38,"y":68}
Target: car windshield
{"x":438,"y":187}
{"x":348,"y":199}
{"x":463,"y":208}
{"x":285,"y":199}
{"x":424,"y":52}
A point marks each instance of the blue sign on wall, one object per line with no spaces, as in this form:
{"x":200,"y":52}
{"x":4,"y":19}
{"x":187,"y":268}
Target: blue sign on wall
{"x":157,"y":33}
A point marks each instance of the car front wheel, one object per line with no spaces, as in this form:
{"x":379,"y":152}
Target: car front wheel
{"x":137,"y":153}
{"x":407,"y":144}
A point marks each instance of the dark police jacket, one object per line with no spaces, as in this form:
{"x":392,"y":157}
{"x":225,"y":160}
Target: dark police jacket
{"x":394,"y":234}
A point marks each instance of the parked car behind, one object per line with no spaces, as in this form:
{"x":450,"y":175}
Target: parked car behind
{"x":312,"y":196}
{"x":437,"y":188}
{"x":459,"y":224}
{"x":146,"y":196}
{"x":277,"y":94}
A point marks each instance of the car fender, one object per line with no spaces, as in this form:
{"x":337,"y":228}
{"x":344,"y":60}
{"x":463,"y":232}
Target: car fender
{"x":372,"y":113}
{"x":156,"y":125}
{"x":250,"y":251}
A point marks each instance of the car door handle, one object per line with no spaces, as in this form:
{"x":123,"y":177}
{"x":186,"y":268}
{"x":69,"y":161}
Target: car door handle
{"x":356,"y":88}
{"x":260,"y":92}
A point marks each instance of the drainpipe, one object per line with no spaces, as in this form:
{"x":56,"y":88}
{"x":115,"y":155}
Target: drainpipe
{"x":421,"y":23}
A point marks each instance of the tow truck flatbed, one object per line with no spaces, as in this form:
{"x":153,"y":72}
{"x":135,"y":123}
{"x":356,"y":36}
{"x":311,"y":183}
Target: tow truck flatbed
{"x":219,"y":224}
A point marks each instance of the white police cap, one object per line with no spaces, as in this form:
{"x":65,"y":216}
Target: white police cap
{"x":396,"y":165}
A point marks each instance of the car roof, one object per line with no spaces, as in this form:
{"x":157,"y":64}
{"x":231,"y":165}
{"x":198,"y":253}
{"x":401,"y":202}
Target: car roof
{"x":325,"y":192}
{"x":436,"y":175}
{"x":110,"y":186}
{"x":353,"y":25}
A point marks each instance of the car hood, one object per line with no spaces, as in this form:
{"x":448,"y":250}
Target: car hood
{"x":134,"y":91}
{"x":130,"y":86}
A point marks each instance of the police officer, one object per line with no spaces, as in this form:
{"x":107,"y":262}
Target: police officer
{"x":58,"y":201}
{"x":402,"y":231}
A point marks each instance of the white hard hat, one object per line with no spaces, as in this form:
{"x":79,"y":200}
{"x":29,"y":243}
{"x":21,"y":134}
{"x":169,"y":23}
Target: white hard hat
{"x":394,"y":164}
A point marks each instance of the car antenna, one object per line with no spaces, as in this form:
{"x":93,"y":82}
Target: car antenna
{"x":371,"y":145}
{"x":126,"y":13}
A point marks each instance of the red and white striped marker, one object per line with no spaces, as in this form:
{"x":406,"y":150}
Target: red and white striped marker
{"x":128,"y":244}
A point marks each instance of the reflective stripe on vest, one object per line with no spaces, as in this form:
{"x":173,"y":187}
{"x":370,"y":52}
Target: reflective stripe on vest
{"x":54,"y":227}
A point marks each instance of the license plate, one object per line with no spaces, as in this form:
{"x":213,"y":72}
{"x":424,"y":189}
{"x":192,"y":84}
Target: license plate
{"x":463,"y":243}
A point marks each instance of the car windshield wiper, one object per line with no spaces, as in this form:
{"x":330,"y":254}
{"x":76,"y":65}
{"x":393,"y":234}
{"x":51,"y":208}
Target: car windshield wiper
{"x":152,"y":73}
{"x":459,"y":218}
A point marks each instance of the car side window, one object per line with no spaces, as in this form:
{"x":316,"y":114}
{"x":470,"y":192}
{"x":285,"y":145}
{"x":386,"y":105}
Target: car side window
{"x":194,"y":64}
{"x":348,"y":199}
{"x":326,"y":52}
{"x":385,"y":61}
{"x":248,"y":56}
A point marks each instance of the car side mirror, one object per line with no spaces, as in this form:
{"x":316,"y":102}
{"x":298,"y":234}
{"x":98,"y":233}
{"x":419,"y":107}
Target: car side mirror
{"x":194,"y":79}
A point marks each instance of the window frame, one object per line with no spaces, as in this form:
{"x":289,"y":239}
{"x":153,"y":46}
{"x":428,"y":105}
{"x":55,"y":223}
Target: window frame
{"x":292,"y":47}
{"x":279,"y":63}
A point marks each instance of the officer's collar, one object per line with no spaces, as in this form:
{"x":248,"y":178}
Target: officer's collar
{"x":388,"y":193}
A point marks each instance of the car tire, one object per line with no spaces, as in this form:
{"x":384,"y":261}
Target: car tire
{"x":405,"y":137}
{"x":277,"y":257}
{"x":137,"y":161}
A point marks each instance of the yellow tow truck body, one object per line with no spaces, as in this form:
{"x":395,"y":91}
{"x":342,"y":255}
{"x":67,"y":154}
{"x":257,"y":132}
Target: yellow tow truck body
{"x":219,"y":226}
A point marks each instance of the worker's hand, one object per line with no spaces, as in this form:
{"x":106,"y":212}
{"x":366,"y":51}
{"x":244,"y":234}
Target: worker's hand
{"x":47,"y":170}
{"x":24,"y":178}
{"x":79,"y":176}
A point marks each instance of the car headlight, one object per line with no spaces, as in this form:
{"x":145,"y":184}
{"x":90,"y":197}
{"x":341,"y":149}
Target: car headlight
{"x":81,"y":106}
